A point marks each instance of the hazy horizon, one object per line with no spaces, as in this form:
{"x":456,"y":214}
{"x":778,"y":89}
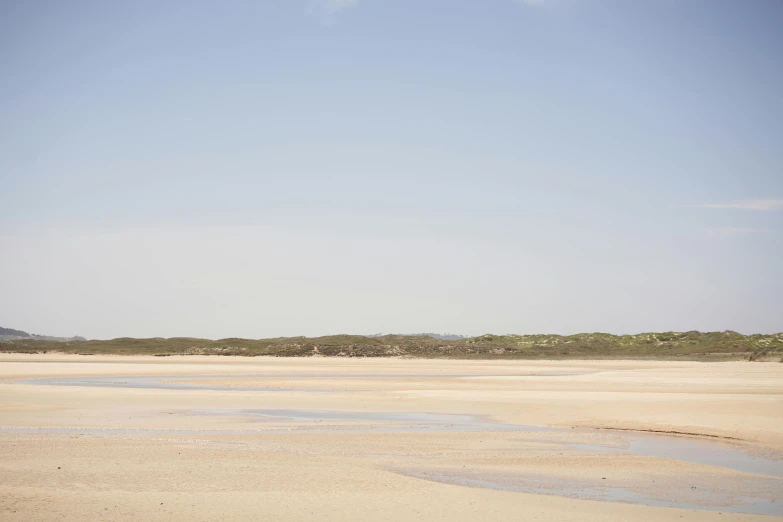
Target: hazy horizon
{"x":440,"y":335}
{"x":286,"y":168}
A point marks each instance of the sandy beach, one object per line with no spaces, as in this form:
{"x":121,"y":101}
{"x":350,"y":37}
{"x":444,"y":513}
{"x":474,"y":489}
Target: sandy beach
{"x":229,"y":438}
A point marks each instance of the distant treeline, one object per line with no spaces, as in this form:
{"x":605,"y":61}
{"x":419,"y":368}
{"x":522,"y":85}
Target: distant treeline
{"x":667,"y":345}
{"x":9,"y":334}
{"x":13,"y":333}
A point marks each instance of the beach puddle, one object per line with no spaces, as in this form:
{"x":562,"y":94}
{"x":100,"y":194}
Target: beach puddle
{"x":163,"y":382}
{"x":288,"y":421}
{"x":729,"y":455}
{"x":761,"y":496}
{"x":174,"y":382}
{"x":380,"y":422}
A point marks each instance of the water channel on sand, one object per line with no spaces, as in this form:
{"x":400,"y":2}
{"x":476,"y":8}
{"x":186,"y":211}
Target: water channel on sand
{"x":757,"y":492}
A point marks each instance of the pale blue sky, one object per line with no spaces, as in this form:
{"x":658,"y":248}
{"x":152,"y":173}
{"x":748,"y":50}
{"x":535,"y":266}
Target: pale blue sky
{"x":298,"y":167}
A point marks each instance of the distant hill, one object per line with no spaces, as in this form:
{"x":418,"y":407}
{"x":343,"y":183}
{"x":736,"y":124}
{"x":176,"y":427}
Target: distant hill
{"x":442,"y":337}
{"x":9,"y":334}
{"x":705,"y":346}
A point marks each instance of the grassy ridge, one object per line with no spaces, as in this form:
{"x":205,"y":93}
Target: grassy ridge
{"x":668,"y":345}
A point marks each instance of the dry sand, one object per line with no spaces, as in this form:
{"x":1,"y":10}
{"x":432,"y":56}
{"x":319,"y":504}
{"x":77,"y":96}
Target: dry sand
{"x":283,"y":470}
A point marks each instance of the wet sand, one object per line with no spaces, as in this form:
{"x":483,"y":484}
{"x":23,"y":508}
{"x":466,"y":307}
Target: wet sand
{"x":206,"y":438}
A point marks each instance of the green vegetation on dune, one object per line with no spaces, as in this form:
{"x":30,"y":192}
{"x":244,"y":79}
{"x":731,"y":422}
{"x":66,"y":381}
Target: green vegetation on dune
{"x":666,"y":345}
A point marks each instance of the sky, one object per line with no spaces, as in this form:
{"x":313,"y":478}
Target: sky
{"x":313,"y":167}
